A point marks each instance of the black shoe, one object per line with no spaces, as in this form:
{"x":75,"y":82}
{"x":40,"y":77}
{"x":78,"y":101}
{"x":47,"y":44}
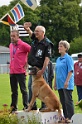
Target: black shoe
{"x":34,"y":108}
{"x":13,"y":110}
{"x":26,"y":107}
{"x":42,"y":108}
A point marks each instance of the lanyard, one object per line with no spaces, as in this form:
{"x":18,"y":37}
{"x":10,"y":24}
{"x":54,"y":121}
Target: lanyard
{"x":14,"y":49}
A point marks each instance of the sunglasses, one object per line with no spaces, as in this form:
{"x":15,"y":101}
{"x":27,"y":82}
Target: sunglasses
{"x":79,"y":56}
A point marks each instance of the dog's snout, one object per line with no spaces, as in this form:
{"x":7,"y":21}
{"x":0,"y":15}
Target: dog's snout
{"x":33,"y":70}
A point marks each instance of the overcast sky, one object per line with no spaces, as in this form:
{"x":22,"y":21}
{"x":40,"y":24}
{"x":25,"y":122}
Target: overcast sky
{"x":4,"y":2}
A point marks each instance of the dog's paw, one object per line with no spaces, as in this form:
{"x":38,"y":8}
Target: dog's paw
{"x":27,"y":110}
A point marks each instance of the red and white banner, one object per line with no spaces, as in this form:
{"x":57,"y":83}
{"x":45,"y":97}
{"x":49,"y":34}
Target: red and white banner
{"x":17,"y":12}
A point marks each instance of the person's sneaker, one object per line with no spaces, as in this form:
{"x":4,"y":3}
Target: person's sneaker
{"x":65,"y":121}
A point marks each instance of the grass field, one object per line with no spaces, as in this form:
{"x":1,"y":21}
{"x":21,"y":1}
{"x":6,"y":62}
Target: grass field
{"x":5,"y":94}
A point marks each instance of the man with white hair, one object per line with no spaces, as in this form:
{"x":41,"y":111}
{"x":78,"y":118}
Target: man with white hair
{"x":40,"y":53}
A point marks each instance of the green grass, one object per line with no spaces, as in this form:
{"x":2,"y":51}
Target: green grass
{"x":5,"y":94}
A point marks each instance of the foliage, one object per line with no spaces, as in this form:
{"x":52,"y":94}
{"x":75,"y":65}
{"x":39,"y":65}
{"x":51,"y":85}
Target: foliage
{"x":62,"y":19}
{"x":34,"y":120}
{"x":80,"y":21}
{"x":8,"y":119}
{"x":11,"y":118}
{"x":76,"y":45}
{"x":4,"y":36}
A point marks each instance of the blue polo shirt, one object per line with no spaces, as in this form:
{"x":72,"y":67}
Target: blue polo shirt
{"x":63,"y":66}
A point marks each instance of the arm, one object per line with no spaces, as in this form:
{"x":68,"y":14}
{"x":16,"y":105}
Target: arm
{"x":51,"y":70}
{"x":67,"y":79}
{"x":46,"y":61}
{"x":27,"y":26}
{"x":45,"y":64}
{"x":55,"y":88}
{"x":25,"y":66}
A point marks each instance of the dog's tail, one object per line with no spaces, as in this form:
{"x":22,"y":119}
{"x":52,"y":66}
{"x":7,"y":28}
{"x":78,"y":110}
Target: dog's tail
{"x":59,"y":112}
{"x":59,"y":109}
{"x":61,"y":116}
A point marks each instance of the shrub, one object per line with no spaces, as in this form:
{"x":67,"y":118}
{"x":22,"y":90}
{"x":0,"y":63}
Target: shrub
{"x":8,"y":118}
{"x":34,"y":120}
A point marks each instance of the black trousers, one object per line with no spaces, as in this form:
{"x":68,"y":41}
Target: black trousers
{"x":67,"y":102}
{"x":14,"y":80}
{"x":30,"y":91}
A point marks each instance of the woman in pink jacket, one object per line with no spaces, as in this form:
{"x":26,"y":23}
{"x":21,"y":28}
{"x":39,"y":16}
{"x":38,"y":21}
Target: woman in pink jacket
{"x":78,"y":76}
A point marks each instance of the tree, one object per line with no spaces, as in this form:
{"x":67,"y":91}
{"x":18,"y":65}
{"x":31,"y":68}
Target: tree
{"x":80,"y":21}
{"x":60,"y":17}
{"x":76,"y":45}
{"x":4,"y":35}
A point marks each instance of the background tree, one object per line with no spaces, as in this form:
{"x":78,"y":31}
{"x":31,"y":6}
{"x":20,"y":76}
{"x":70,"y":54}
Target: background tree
{"x":61,"y":18}
{"x":76,"y":45}
{"x":4,"y":36}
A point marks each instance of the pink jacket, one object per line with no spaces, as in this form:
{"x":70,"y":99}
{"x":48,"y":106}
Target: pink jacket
{"x":78,"y":74}
{"x":18,"y":56}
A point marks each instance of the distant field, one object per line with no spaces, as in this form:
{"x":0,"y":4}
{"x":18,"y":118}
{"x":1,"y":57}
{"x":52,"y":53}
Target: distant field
{"x":5,"y":94}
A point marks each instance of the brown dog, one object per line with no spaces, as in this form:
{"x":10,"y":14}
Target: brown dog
{"x":42,"y":91}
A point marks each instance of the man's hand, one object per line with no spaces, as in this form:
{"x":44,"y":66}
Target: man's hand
{"x":25,"y":66}
{"x":27,"y":25}
{"x":39,"y":73}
